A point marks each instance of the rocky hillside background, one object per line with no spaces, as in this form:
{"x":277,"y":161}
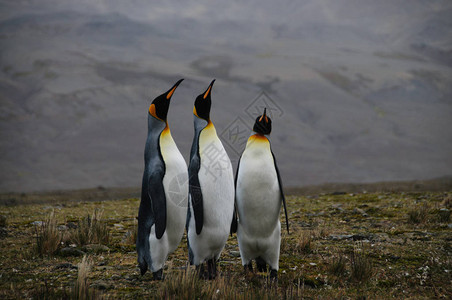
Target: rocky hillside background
{"x":359,"y":91}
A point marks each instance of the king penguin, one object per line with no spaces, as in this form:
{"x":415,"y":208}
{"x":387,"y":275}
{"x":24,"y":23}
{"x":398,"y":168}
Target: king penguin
{"x":164,"y":193}
{"x":211,"y":191}
{"x":259,"y":194}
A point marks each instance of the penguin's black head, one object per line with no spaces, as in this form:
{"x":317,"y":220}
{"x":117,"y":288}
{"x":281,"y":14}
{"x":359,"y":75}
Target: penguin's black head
{"x":263,"y":124}
{"x":160,"y":105}
{"x":203,"y":103}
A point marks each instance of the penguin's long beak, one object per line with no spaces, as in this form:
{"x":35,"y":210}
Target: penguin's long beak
{"x":264,"y":115}
{"x":169,"y":94}
{"x":209,"y":89}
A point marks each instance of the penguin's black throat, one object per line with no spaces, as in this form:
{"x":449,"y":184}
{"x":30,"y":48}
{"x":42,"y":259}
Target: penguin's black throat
{"x":263,"y":124}
{"x":160,"y":105}
{"x":202,"y":107}
{"x":203,"y":103}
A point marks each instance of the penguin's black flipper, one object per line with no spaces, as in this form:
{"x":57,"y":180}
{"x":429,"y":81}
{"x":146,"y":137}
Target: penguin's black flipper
{"x":145,"y":222}
{"x":152,"y":211}
{"x":282,"y":192}
{"x":156,"y":193}
{"x":195,"y":192}
{"x":234,"y":223}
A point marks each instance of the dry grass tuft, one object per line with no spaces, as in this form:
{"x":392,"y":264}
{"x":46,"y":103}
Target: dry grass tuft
{"x":48,"y":238}
{"x":300,"y":242}
{"x":337,"y":266}
{"x":183,"y":285}
{"x":3,"y":221}
{"x":304,"y":243}
{"x":418,"y":214}
{"x":361,"y":265}
{"x":81,"y":290}
{"x":131,"y":236}
{"x":444,"y":215}
{"x":91,"y":230}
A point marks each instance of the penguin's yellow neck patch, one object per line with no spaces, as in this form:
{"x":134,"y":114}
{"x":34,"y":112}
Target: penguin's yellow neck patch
{"x":194,"y":111}
{"x":166,"y":131}
{"x":152,"y":112}
{"x":257,"y":138}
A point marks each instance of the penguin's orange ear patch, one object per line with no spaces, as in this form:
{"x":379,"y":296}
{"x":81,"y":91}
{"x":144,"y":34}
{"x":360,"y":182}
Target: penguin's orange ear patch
{"x":194,"y":111}
{"x":152,"y":111}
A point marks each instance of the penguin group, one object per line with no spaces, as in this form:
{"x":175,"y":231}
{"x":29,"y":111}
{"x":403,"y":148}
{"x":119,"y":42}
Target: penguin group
{"x":209,"y":203}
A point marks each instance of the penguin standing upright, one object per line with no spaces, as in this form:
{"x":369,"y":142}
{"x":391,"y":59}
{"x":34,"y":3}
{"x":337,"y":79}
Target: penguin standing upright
{"x":164,"y":193}
{"x":211,"y":191}
{"x":259,"y":195}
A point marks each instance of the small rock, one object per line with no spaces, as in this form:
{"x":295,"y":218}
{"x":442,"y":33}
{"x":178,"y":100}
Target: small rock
{"x":100,"y":285}
{"x":95,"y":248}
{"x":340,"y":237}
{"x":37,"y":223}
{"x":127,"y":236}
{"x":449,"y":225}
{"x":338,"y":193}
{"x":363,"y":237}
{"x":65,"y":265}
{"x":360,"y":211}
{"x":71,"y":252}
{"x":104,"y":268}
{"x":71,"y":225}
{"x":3,"y":232}
{"x":235,"y":253}
{"x":62,"y":227}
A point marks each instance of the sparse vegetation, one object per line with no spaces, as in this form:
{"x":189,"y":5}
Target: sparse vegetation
{"x":418,"y":214}
{"x":444,"y":215}
{"x":81,"y":289}
{"x":337,"y":265}
{"x":333,"y":251}
{"x":304,"y":243}
{"x":91,"y":230}
{"x":2,"y":221}
{"x":361,"y":265}
{"x":48,"y":238}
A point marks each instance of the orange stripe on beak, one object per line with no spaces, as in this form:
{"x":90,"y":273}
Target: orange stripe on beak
{"x":171,"y":93}
{"x":207,"y":92}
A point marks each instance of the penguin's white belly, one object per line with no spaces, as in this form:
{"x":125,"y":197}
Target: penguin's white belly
{"x":258,"y":204}
{"x":216,"y":180}
{"x":175,"y":183}
{"x":258,"y":195}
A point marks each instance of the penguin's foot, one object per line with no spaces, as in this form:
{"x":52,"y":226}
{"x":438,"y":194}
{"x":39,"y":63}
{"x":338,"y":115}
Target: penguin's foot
{"x":158,"y":275}
{"x":248,"y":267}
{"x":261,"y":265}
{"x":201,"y":272}
{"x":143,"y":269}
{"x":273,"y":276}
{"x":212,"y":268}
